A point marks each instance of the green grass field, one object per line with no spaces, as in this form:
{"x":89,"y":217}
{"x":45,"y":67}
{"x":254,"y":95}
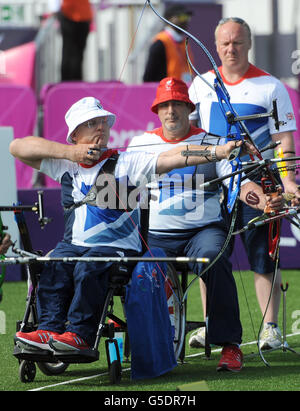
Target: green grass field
{"x":283,"y":374}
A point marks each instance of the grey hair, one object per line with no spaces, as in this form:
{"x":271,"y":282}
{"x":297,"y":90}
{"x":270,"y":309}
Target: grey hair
{"x":235,"y":20}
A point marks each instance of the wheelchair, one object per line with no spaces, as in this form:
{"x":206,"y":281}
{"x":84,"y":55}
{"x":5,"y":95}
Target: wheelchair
{"x":55,"y":363}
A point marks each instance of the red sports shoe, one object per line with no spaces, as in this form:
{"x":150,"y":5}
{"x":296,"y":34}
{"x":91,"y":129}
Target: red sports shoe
{"x":35,"y":339}
{"x":231,"y":360}
{"x":68,"y":342}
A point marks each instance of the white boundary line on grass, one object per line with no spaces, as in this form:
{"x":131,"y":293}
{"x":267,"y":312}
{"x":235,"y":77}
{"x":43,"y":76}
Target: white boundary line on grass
{"x":72,"y":381}
{"x":128,"y":369}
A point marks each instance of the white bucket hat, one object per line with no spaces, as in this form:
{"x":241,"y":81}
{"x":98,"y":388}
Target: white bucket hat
{"x":84,"y":110}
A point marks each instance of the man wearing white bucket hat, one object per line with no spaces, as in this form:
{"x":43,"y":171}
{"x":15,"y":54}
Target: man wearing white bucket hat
{"x":74,"y":293}
{"x":87,"y":109}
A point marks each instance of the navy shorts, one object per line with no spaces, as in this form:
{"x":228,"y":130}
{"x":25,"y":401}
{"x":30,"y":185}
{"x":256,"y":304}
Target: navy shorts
{"x":255,"y":241}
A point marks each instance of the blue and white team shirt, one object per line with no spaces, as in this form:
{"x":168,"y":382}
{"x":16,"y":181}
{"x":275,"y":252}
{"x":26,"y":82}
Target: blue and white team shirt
{"x":177,"y":203}
{"x":92,"y":226}
{"x":252,"y":94}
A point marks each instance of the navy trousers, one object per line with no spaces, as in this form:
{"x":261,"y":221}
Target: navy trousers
{"x":71,"y":295}
{"x":224,"y":324}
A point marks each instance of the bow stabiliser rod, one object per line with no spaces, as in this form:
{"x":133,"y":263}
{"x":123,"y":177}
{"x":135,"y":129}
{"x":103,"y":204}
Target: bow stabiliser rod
{"x":248,"y":166}
{"x":232,"y":118}
{"x":37,"y":208}
{"x":30,"y":258}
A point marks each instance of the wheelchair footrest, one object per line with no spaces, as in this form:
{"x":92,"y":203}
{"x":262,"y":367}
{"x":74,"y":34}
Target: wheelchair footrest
{"x":76,"y":357}
{"x":36,"y":355}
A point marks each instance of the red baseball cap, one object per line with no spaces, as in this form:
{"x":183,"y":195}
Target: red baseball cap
{"x":171,"y":88}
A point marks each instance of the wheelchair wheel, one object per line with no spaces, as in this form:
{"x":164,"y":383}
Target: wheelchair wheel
{"x":176,"y":309}
{"x":49,"y":368}
{"x":27,"y":371}
{"x":115,"y":372}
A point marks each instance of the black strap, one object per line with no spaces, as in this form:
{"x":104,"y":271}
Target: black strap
{"x":90,"y":198}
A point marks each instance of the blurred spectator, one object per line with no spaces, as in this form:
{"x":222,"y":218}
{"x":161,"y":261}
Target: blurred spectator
{"x":167,"y":56}
{"x":75,"y":17}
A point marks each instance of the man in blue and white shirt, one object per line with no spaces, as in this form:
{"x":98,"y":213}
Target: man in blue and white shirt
{"x":251,"y":91}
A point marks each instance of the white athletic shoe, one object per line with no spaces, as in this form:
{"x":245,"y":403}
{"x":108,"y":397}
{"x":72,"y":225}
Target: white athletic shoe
{"x":270,"y":337}
{"x":197,"y":339}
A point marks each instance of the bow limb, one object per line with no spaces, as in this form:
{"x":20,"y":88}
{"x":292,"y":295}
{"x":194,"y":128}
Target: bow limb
{"x":194,"y":68}
{"x":236,"y":128}
{"x":198,"y":42}
{"x":219,"y":80}
{"x":226,"y":108}
{"x":275,"y":273}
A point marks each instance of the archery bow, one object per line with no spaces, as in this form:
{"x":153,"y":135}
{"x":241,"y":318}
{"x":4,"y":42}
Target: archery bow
{"x":236,"y":130}
{"x":232,"y":119}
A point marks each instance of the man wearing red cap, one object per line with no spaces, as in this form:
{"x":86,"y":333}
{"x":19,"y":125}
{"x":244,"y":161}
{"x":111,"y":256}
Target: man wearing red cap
{"x":185,"y":220}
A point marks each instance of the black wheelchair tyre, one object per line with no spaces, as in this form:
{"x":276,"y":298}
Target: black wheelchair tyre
{"x":176,"y":308}
{"x":49,"y":368}
{"x":115,"y":372}
{"x":27,"y":371}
